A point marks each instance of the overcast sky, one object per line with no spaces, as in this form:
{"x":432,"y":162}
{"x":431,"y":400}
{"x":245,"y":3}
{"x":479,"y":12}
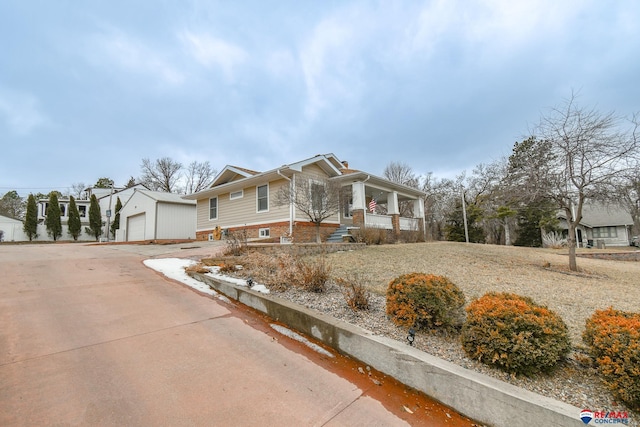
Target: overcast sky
{"x":90,"y":88}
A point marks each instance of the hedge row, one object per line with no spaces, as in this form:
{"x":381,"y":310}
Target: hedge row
{"x":515,"y":334}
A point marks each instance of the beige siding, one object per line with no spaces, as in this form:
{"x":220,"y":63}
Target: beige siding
{"x":311,"y":172}
{"x":243,"y":211}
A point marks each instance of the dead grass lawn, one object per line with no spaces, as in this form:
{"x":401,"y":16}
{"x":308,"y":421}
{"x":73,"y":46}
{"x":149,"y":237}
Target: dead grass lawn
{"x":541,"y":274}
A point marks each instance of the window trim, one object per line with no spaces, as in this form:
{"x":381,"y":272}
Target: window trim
{"x":267,"y":232}
{"x":217,"y":208}
{"x":606,"y":232}
{"x":258,"y":198}
{"x":237,"y":196}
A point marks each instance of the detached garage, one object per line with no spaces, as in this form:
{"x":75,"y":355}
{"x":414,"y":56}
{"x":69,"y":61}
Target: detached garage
{"x":154,"y":215}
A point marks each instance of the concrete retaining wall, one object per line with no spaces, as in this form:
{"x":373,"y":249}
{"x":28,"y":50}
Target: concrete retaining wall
{"x":482,"y":398}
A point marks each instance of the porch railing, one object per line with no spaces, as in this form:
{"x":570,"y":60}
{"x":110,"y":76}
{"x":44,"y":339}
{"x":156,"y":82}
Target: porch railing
{"x":384,"y":221}
{"x":378,"y":221}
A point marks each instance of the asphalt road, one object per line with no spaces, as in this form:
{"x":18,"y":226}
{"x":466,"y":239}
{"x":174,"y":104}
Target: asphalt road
{"x":90,"y":336}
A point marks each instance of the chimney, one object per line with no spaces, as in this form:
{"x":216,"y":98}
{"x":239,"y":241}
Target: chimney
{"x":345,"y":164}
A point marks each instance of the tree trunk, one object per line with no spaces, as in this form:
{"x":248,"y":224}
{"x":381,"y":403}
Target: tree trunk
{"x":507,"y":234}
{"x":318,"y":239}
{"x":571,"y":241}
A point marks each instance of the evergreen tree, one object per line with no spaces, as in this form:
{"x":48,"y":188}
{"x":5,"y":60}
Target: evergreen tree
{"x":52,"y":220}
{"x":95,"y":218}
{"x":116,"y":220}
{"x":454,"y":230}
{"x":533,"y":219}
{"x":31,"y":218}
{"x":75,"y":227}
{"x":104,"y":183}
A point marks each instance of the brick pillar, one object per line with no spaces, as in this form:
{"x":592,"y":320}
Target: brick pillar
{"x":395,"y":224}
{"x":358,"y":218}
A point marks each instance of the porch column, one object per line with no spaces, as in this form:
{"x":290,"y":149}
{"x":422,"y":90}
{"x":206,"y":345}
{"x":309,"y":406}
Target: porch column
{"x":392,"y":203}
{"x":418,"y":212}
{"x":393,"y":209}
{"x":359,"y":204}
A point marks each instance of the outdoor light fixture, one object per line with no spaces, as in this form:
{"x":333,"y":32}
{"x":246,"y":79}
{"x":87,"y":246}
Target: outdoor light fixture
{"x":411,"y":337}
{"x":249,"y":282}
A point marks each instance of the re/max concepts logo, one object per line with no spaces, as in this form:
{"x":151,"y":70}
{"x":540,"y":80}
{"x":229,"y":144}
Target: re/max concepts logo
{"x":604,"y":417}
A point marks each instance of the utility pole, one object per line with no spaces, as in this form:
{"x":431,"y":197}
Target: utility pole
{"x":464,"y":217}
{"x":109,"y":212}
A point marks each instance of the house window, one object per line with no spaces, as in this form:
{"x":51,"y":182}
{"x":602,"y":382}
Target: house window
{"x":63,"y":209}
{"x":605,"y":232}
{"x":83,"y":211}
{"x":318,"y":196}
{"x":236,"y":195}
{"x":213,"y":208}
{"x":264,"y":232}
{"x":263,"y":198}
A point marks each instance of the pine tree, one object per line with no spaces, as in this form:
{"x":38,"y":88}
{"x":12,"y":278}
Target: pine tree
{"x":95,"y":218}
{"x":31,"y":218}
{"x":116,"y":220}
{"x":75,"y":227}
{"x":53,"y":221}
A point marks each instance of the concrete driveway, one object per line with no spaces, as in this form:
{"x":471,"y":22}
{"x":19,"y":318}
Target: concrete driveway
{"x":92,"y":337}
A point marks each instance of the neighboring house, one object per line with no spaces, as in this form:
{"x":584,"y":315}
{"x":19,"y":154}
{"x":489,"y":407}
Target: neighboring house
{"x":244,"y":200}
{"x":107,"y":199}
{"x":602,"y":225}
{"x":83,"y":209}
{"x":11,"y":230}
{"x":154,"y":215}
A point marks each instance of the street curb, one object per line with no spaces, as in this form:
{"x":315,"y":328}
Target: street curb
{"x":477,"y":396}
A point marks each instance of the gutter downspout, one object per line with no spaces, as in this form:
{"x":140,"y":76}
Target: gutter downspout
{"x":291,"y":189}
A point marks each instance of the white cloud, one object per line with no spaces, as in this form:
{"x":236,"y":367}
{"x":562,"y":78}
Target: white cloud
{"x":213,"y":52}
{"x":330,"y":64}
{"x":21,"y":112}
{"x":497,"y":26}
{"x":133,"y":55}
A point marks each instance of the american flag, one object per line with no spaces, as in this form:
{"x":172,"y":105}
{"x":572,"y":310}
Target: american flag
{"x":372,"y":205}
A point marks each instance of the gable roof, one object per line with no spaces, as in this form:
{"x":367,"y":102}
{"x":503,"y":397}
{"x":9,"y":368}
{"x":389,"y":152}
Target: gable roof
{"x":161,"y":197}
{"x":600,"y":215}
{"x":233,"y":178}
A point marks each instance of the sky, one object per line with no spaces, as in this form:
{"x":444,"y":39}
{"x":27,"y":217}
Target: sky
{"x":89,"y":89}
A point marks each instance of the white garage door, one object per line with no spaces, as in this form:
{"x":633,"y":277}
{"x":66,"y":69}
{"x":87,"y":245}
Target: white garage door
{"x":135,"y":227}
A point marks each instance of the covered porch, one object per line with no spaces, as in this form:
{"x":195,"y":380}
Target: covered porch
{"x":372,"y":202}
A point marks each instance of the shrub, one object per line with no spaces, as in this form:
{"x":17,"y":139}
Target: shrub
{"x":513,"y":333}
{"x":355,"y":294}
{"x":197,"y":268}
{"x":236,"y":243}
{"x":424,"y":300}
{"x":370,"y":235}
{"x":227,"y":267}
{"x":312,"y":275}
{"x":614,"y":340}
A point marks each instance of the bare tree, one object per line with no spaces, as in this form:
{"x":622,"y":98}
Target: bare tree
{"x":402,"y":174}
{"x":317,"y":198}
{"x":77,"y":190}
{"x":162,"y":175}
{"x":585,"y":155}
{"x":629,"y":197}
{"x":198,"y":176}
{"x":441,"y":198}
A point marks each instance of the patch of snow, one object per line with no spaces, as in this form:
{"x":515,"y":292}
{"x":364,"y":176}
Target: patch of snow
{"x":296,"y":336}
{"x":173,"y":268}
{"x":215,"y":273}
